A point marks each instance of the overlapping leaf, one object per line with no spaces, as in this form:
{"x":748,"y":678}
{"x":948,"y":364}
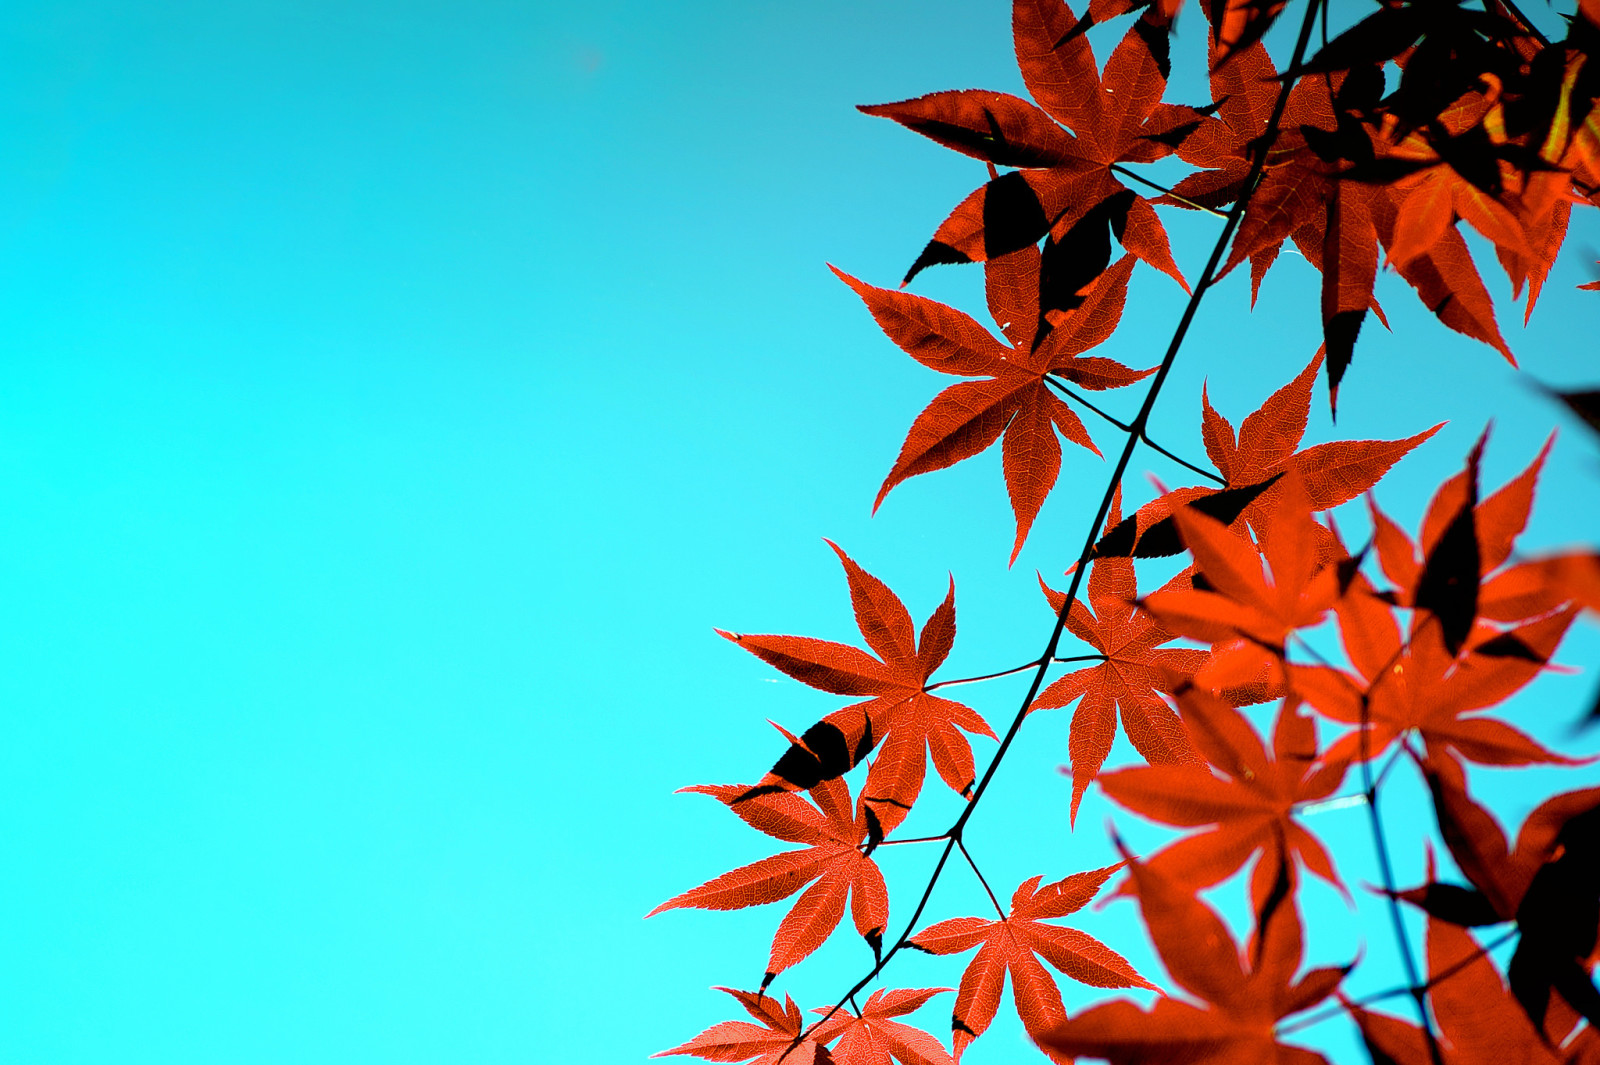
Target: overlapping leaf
{"x":874,"y":1037}
{"x":1418,"y":685}
{"x":1549,"y":884}
{"x":1066,"y":187}
{"x":1513,"y":593}
{"x":1478,"y":1022}
{"x":1015,"y":399}
{"x":1246,"y":796}
{"x":1136,"y":668}
{"x":1014,"y":944}
{"x":774,"y":1040}
{"x":833,"y":863}
{"x":1234,"y":605}
{"x":1242,"y":1003}
{"x":901,"y":714}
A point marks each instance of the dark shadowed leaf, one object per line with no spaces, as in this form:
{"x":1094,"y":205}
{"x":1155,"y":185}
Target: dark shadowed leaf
{"x":1449,"y":585}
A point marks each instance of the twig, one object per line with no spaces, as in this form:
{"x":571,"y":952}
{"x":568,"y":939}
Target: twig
{"x":1144,"y":436}
{"x":987,"y":676}
{"x":1141,"y":179}
{"x":1395,"y":992}
{"x":1337,"y":802}
{"x":1386,"y":874}
{"x":1207,"y":277}
{"x":917,"y":839}
{"x":981,"y":880}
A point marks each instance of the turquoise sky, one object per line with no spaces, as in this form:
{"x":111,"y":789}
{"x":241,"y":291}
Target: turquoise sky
{"x":394,"y":396}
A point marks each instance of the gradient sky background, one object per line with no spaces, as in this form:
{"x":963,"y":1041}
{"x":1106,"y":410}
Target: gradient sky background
{"x":394,"y":397}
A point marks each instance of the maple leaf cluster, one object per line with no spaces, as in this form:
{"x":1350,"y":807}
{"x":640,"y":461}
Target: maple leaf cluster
{"x":1486,"y":123}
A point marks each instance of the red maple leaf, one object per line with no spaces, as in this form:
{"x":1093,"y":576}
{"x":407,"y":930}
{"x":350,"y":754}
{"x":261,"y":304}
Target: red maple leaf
{"x":1575,"y":576}
{"x":1247,"y":795}
{"x":1267,"y":444}
{"x":901,"y":713}
{"x":1135,"y":669}
{"x":1243,"y":1005}
{"x":1514,"y":593}
{"x":873,"y":1037}
{"x":1422,"y":681}
{"x":1011,"y":944}
{"x":1546,"y":884}
{"x":775,"y":1039}
{"x":1478,"y":1022}
{"x":1246,"y":616}
{"x":1418,"y":685}
{"x":1301,"y":196}
{"x":1524,"y":214}
{"x":833,"y":857}
{"x":1445,"y":280}
{"x":1066,"y":177}
{"x":1015,"y":399}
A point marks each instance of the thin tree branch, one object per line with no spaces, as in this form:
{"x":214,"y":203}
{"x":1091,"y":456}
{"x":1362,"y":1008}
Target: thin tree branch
{"x":916,"y":839}
{"x":1202,"y":286}
{"x":1395,"y":992}
{"x":981,"y":880}
{"x":987,"y":676}
{"x":1144,"y":436}
{"x":1336,"y":802}
{"x":1173,"y":196}
{"x":1386,"y":874}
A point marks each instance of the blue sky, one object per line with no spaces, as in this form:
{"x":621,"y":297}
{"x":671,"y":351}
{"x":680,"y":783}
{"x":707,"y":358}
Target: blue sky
{"x":395,"y":397}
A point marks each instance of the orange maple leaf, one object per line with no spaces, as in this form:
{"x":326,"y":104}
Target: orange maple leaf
{"x":1014,"y":943}
{"x":1243,"y":1005}
{"x":775,"y":1039}
{"x":902,"y":714}
{"x":873,"y":1036}
{"x":1247,"y":795}
{"x":1016,"y":399}
{"x":1135,"y":669}
{"x":834,"y":857}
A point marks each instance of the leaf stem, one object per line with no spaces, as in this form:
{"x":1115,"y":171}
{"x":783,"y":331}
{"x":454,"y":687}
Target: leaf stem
{"x":1125,"y":427}
{"x":1395,"y":992}
{"x":987,"y":676}
{"x":981,"y":880}
{"x":1141,"y":179}
{"x":915,"y":839}
{"x":1335,"y":802}
{"x":1386,"y":874}
{"x":1144,"y":436}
